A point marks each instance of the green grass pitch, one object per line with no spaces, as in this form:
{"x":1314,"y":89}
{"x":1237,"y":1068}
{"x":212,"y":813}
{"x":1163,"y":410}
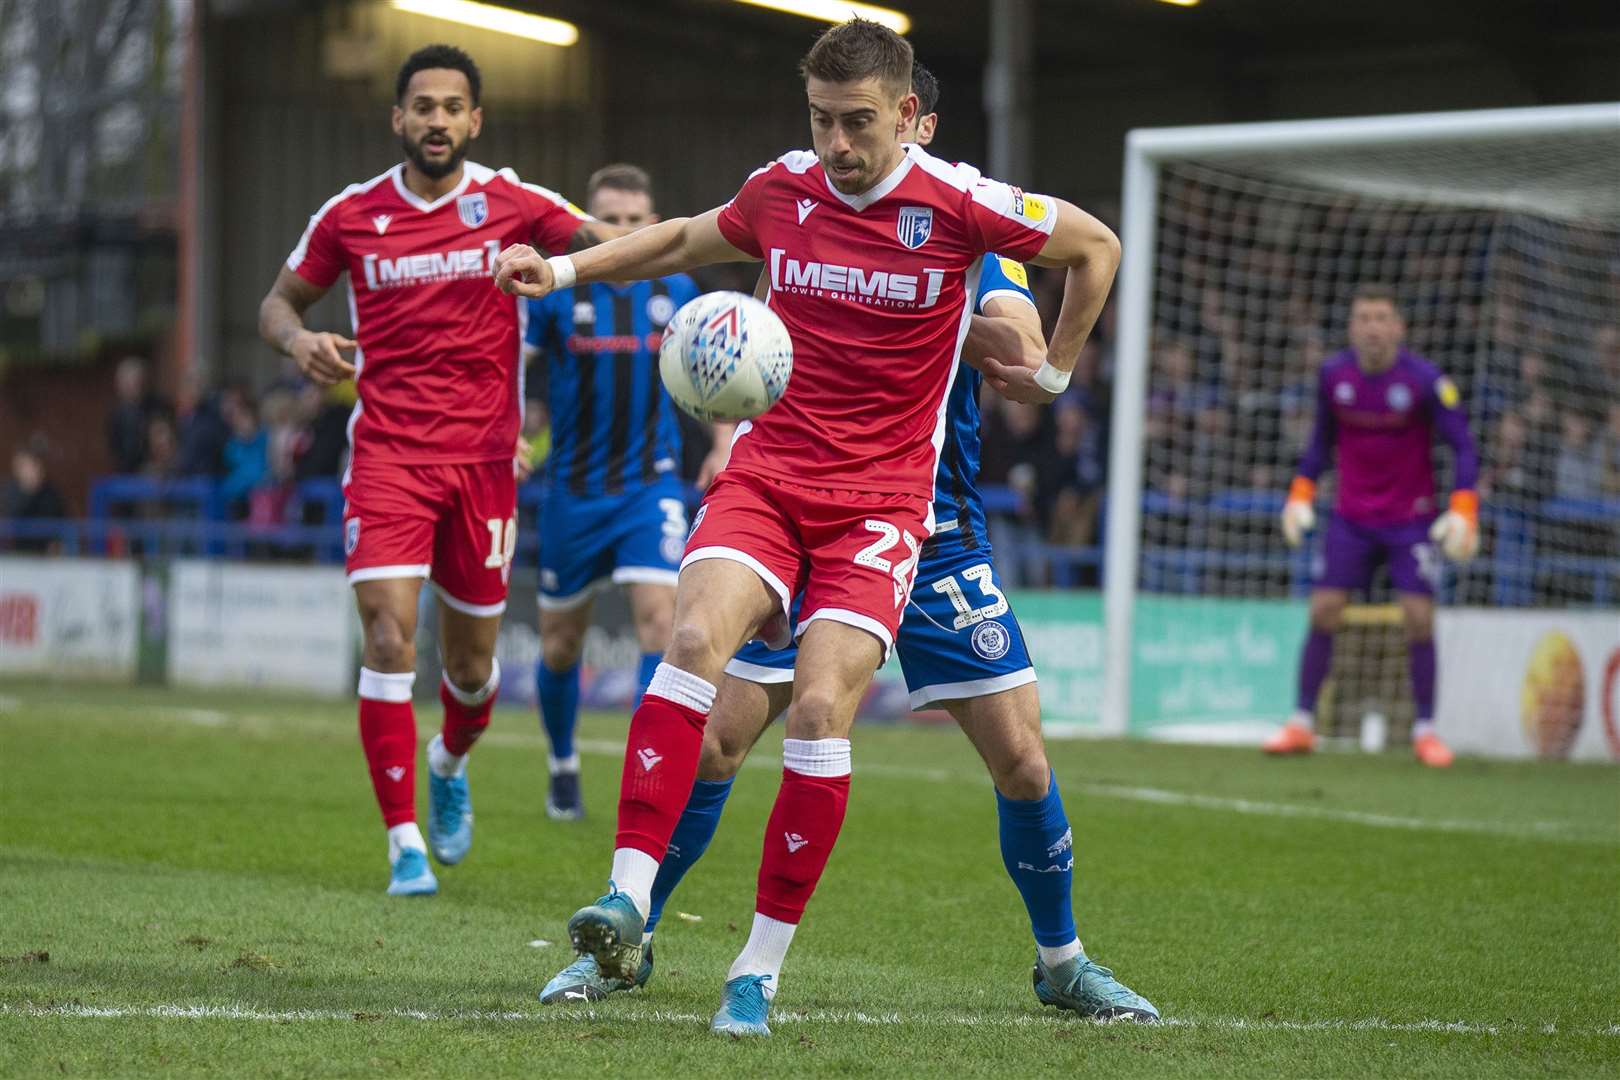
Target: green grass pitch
{"x":204,"y":873}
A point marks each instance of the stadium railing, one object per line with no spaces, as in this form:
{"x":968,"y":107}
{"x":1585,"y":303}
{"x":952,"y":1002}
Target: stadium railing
{"x":192,"y":522}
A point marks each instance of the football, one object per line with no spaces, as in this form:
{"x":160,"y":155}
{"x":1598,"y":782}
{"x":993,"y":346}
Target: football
{"x":725,"y":356}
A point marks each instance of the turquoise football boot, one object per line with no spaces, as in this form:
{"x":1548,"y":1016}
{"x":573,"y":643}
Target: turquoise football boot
{"x":450,"y":817}
{"x":411,"y":875}
{"x":1086,"y":987}
{"x":582,"y":981}
{"x":610,"y":931}
{"x":743,"y":1007}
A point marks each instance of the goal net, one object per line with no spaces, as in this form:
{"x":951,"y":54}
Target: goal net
{"x":1500,"y":234}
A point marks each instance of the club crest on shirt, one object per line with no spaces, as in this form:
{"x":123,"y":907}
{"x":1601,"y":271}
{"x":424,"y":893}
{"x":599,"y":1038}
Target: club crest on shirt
{"x":584,"y":312}
{"x":915,"y":225}
{"x":1399,"y":397}
{"x":473,"y":209}
{"x":660,"y":309}
{"x":1344,"y":394}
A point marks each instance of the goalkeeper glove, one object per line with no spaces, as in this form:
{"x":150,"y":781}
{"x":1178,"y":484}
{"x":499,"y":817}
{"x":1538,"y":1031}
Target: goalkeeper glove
{"x":1457,"y":530}
{"x":1298,"y":518}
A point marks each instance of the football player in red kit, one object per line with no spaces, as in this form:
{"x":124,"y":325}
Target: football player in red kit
{"x":430,"y":492}
{"x":871,"y":249}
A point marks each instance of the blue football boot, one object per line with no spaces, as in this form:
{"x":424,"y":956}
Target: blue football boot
{"x":610,"y":931}
{"x":563,"y":801}
{"x":582,"y":981}
{"x":450,"y":817}
{"x":1081,"y":985}
{"x":743,"y":1007}
{"x":411,"y":875}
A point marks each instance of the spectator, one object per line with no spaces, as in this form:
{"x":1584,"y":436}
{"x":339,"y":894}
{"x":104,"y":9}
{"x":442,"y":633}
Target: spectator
{"x":30,"y":494}
{"x":1070,"y":481}
{"x":246,"y":454}
{"x":1611,"y":454}
{"x":1578,"y":472}
{"x":202,"y":431}
{"x":282,"y":427}
{"x":323,"y":436}
{"x":537,"y":432}
{"x":163,"y":460}
{"x":126,"y":423}
{"x":1018,"y":444}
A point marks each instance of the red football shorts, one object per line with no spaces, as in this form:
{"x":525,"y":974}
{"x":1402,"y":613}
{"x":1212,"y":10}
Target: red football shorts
{"x":453,"y":524}
{"x":852,"y":554}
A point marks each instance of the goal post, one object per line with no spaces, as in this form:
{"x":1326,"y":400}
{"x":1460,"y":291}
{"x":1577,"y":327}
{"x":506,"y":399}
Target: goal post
{"x":1500,"y":230}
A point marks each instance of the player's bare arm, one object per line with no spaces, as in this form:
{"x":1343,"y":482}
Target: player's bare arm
{"x":592,"y":233}
{"x":319,"y":354}
{"x":669,"y":247}
{"x":1089,"y":250}
{"x":1007,"y":346}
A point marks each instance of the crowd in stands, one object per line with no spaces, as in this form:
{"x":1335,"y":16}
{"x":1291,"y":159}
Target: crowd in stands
{"x":1218,"y":420}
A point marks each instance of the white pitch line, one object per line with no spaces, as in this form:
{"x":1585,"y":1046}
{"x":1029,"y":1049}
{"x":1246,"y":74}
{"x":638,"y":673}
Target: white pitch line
{"x":813,"y":1016}
{"x":1535,"y":830}
{"x":1546,"y":830}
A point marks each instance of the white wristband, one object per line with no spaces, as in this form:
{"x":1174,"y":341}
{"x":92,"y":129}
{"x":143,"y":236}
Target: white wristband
{"x":562,"y":270}
{"x":1052,"y":380}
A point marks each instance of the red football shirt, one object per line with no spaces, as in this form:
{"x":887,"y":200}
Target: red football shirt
{"x":440,"y":364}
{"x":876,"y":293}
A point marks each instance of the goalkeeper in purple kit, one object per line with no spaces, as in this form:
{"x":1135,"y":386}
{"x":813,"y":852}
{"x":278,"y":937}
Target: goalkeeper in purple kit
{"x":1378,"y":406}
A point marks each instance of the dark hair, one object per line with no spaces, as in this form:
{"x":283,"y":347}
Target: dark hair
{"x":438,"y":56}
{"x":926,"y":86}
{"x":620,"y":176}
{"x":860,"y":49}
{"x":1376,"y":292}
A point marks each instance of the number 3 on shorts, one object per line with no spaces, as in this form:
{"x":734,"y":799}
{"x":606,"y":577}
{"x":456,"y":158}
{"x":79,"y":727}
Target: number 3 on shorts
{"x":888,"y":537}
{"x":502,"y":542}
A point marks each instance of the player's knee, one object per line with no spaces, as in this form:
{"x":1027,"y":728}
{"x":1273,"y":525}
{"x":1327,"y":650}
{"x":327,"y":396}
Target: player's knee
{"x":692,"y":648}
{"x":1419,"y":626}
{"x":1025,"y":778}
{"x":388,"y":647}
{"x":560,"y":647}
{"x":817,"y":714}
{"x":721,"y":758}
{"x":653,"y":629}
{"x":468,"y":671}
{"x":1327,"y":615}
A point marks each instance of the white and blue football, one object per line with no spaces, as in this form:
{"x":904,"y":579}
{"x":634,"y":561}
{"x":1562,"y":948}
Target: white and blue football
{"x":725,"y":356}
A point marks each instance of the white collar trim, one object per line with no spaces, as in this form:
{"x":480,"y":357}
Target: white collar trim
{"x":416,"y":201}
{"x":877,"y":191}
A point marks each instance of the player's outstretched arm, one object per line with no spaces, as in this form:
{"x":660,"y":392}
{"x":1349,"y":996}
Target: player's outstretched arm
{"x":1008,"y":347}
{"x":1089,"y":250}
{"x":669,"y":247}
{"x":281,"y":324}
{"x":1299,"y":512}
{"x":1456,"y":530}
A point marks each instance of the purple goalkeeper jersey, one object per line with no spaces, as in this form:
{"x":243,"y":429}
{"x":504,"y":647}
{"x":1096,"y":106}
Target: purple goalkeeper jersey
{"x":1382,"y":427}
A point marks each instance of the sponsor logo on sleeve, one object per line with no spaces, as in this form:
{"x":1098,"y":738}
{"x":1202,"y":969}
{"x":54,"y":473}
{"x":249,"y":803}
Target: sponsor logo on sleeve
{"x":1014,"y":270}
